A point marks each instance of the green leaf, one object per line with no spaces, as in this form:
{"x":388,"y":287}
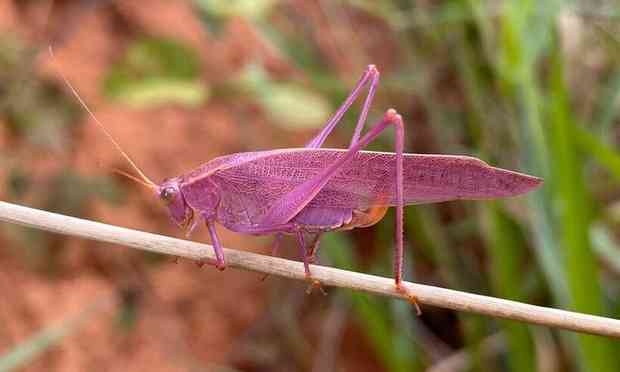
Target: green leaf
{"x":155,"y":72}
{"x":294,"y":107}
{"x":158,"y":91}
{"x":289,"y":105}
{"x":252,"y":9}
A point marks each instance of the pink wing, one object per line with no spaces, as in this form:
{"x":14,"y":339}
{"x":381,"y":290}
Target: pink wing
{"x":257,"y":179}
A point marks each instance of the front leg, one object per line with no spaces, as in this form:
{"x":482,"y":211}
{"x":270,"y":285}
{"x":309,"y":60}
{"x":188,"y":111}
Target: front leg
{"x":217,"y":246}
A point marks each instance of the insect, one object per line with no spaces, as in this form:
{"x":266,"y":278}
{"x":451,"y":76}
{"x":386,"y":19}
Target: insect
{"x":308,"y":191}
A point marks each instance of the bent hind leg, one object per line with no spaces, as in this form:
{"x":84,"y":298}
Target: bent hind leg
{"x":371,"y":77}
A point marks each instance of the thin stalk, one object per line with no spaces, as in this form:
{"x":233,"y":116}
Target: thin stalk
{"x":425,"y":294}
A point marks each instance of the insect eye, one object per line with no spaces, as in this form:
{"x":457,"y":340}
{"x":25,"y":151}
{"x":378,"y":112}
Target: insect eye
{"x":167,"y":194}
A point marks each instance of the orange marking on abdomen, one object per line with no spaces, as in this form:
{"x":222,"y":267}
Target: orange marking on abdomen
{"x":365,"y":218}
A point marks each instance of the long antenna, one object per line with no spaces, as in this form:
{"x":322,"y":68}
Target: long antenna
{"x":147,"y":181}
{"x":132,"y":177}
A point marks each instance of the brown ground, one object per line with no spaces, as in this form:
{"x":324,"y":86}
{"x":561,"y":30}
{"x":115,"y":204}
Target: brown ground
{"x":186,"y":317}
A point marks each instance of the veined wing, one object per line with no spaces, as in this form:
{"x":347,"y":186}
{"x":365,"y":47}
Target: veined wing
{"x":368,"y":179}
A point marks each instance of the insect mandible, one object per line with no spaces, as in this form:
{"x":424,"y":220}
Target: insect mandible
{"x":308,"y":191}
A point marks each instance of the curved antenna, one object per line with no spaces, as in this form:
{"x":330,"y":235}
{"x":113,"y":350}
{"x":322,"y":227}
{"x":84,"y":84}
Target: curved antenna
{"x":143,"y":178}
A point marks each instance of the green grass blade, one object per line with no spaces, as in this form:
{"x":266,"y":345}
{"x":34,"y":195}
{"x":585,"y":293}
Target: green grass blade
{"x":574,"y":218}
{"x":393,"y":342}
{"x":30,"y":349}
{"x":506,"y":247}
{"x":507,"y":252}
{"x":515,"y":68}
{"x":607,"y":109}
{"x":603,"y":153}
{"x":605,"y":245}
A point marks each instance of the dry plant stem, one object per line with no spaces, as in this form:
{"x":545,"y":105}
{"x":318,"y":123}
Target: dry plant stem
{"x":429,"y":295}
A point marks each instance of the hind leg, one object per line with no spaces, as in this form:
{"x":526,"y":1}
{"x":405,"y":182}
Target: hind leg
{"x":283,"y":210}
{"x":371,"y":77}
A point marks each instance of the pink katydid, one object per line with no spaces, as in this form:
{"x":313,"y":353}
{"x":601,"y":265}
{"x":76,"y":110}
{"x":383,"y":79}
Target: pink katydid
{"x":313,"y":190}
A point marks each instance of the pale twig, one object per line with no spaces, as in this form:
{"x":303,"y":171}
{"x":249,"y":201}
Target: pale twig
{"x":425,"y":294}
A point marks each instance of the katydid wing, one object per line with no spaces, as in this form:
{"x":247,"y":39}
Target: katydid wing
{"x":312,"y":190}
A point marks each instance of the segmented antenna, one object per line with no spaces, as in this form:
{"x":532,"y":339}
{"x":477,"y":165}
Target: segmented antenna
{"x":143,"y":178}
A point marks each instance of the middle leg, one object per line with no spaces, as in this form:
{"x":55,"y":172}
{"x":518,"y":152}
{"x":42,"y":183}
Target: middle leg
{"x":275,"y":247}
{"x":314,"y":249}
{"x":314,"y":283}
